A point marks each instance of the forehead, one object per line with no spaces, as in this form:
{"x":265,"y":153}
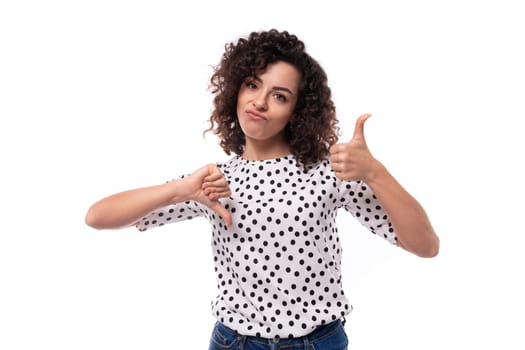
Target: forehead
{"x":281,"y":73}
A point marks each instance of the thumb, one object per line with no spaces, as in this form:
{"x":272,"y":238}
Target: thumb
{"x":223,"y":212}
{"x":359,"y":131}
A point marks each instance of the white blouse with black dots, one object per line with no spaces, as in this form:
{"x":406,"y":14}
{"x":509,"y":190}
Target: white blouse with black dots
{"x":278,"y":266}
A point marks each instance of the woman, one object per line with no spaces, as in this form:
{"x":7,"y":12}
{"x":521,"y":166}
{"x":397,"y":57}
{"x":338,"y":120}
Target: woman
{"x":273,"y":205}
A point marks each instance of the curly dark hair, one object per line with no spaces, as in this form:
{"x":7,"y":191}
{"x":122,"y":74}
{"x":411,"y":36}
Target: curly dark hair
{"x":313,"y":127}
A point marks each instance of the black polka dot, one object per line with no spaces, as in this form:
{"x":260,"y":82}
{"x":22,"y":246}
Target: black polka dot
{"x":278,"y":267}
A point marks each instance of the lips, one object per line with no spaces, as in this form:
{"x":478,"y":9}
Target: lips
{"x":254,"y":115}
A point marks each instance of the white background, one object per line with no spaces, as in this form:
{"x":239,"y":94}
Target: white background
{"x":102,"y":96}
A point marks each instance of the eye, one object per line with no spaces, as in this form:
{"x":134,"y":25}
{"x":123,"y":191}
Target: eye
{"x":250,"y":84}
{"x":280,"y":97}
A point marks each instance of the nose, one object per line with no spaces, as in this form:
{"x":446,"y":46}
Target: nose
{"x":259,"y":102}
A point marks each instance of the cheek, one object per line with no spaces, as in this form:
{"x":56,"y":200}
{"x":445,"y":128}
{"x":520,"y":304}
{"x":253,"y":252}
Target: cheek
{"x":240,"y":105}
{"x":242,"y":96}
{"x":285,"y":115}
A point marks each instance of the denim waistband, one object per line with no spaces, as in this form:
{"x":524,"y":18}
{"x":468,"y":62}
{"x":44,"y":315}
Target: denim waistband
{"x":316,"y":335}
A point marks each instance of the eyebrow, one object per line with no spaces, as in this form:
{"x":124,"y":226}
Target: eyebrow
{"x":278,"y":88}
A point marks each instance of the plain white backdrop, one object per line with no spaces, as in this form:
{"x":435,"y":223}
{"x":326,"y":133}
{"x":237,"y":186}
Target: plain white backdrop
{"x":102,"y":96}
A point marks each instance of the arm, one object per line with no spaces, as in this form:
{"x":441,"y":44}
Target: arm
{"x":411,"y":223}
{"x":353,"y":161}
{"x":207,"y":185}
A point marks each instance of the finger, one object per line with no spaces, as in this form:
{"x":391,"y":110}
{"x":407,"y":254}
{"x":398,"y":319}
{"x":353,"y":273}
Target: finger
{"x":208,"y":191}
{"x":334,"y":149}
{"x":359,"y":131}
{"x":217,"y":183}
{"x":340,"y":157}
{"x":336,"y":167}
{"x":213,"y":172}
{"x":338,"y":174}
{"x":225,"y":214}
{"x":334,"y":161}
{"x":340,"y":167}
{"x":216,"y":193}
{"x":213,"y":177}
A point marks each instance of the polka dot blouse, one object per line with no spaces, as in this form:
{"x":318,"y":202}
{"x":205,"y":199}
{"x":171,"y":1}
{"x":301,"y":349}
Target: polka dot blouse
{"x":278,"y":266}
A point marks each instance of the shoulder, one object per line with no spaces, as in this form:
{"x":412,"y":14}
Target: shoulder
{"x":321,"y":166}
{"x":229,"y":163}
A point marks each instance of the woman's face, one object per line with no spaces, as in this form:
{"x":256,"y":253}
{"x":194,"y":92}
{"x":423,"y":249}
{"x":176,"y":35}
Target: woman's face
{"x":266,"y":102}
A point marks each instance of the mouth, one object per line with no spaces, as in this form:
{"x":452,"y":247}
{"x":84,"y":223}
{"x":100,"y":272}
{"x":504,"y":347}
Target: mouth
{"x":254,"y":115}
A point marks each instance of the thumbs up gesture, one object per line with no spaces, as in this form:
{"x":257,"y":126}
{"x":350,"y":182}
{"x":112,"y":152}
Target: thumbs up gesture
{"x":353,"y":160}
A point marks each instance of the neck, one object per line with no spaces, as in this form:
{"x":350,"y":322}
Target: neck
{"x":262,"y":150}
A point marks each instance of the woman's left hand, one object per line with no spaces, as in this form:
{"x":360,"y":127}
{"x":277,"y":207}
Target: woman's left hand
{"x":353,"y":160}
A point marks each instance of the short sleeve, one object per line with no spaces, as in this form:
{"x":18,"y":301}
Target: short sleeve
{"x":361,"y":202}
{"x":172,"y":213}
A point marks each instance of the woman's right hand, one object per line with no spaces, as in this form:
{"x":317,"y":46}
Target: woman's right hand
{"x":206,"y":186}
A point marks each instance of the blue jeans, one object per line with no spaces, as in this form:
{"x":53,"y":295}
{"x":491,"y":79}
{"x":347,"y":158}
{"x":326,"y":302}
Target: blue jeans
{"x":329,"y":337}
